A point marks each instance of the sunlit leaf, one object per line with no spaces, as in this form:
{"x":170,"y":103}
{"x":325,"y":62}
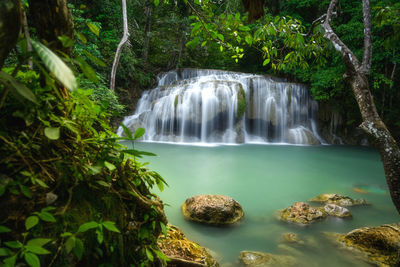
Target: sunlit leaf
{"x":139,"y":133}
{"x":31,"y":221}
{"x":93,"y":28}
{"x":87,"y":226}
{"x":32,"y":259}
{"x":62,"y":72}
{"x":53,"y":133}
{"x":94,"y":59}
{"x":110,"y":226}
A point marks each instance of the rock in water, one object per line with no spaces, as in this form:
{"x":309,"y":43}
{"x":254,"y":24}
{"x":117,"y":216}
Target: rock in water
{"x":212,"y":209}
{"x":260,"y":259}
{"x":338,"y":200}
{"x":379,"y":245}
{"x":337,"y":211}
{"x":301,"y":213}
{"x":183,"y":252}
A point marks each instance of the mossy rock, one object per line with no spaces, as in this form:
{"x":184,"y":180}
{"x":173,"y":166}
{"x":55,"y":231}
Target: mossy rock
{"x":241,"y":104}
{"x":301,"y":213}
{"x":212,"y":209}
{"x":338,"y":200}
{"x":184,"y":252}
{"x":377,"y":245}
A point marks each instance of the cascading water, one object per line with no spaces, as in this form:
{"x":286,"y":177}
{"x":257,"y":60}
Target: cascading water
{"x":211,"y":106}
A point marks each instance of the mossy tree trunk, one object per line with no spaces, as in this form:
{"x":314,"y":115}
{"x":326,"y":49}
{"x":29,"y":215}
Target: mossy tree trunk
{"x":357,"y":75}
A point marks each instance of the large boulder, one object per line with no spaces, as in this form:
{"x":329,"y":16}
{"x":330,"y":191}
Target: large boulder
{"x":183,"y":252}
{"x":378,"y":245}
{"x":337,"y":211}
{"x":212,"y":209}
{"x":338,"y":200}
{"x":260,"y":259}
{"x":301,"y":213}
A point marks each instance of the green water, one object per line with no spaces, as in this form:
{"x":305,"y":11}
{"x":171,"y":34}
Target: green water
{"x":263,"y":179}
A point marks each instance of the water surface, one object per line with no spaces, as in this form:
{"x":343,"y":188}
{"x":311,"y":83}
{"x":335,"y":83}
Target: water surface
{"x":263,"y":179}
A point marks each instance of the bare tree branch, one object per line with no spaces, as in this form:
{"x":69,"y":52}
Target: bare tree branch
{"x":120,"y":46}
{"x":366,"y":63}
{"x":349,"y":58}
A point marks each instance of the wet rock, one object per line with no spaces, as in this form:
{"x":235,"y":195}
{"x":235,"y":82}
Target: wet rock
{"x":337,"y":211}
{"x":338,"y":200}
{"x":301,"y":213}
{"x":183,"y":252}
{"x":212,"y":209}
{"x":378,"y":245}
{"x":260,"y":259}
{"x":292,"y":238}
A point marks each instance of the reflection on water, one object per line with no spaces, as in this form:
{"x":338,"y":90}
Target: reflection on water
{"x":265,"y":178}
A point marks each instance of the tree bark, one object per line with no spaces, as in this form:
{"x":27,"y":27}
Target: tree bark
{"x":121,"y":44}
{"x":52,"y":19}
{"x":147,"y":28}
{"x":10,"y":25}
{"x":372,"y":123}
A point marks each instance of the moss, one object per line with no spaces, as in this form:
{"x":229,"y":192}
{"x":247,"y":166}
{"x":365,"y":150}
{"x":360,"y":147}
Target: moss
{"x":176,"y":101}
{"x":242,"y":103}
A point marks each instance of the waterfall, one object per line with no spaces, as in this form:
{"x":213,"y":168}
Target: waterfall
{"x":212,"y":106}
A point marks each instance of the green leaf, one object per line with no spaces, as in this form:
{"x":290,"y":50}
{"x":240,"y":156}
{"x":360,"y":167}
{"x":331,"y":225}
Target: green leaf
{"x":94,"y":59}
{"x":156,"y":2}
{"x":161,"y":255}
{"x":109,"y":165}
{"x":139,"y":133}
{"x":53,"y":133}
{"x":10,"y":261}
{"x":70,"y":244}
{"x":20,"y":88}
{"x":149,"y":255}
{"x":81,"y":37}
{"x":78,"y":249}
{"x":41,"y":183}
{"x":164,"y":228}
{"x":47,"y":217}
{"x":266,"y":61}
{"x":93,"y":28}
{"x":62,"y":72}
{"x":37,"y":250}
{"x":248,"y":39}
{"x":160,"y":186}
{"x":203,"y":43}
{"x":221,"y":48}
{"x":38,"y":242}
{"x":138,"y":153}
{"x":66,"y":234}
{"x":4,"y":229}
{"x":5,"y":252}
{"x":127,"y":131}
{"x":31,"y":221}
{"x":25,"y":190}
{"x":87,"y":70}
{"x":101,"y":182}
{"x":87,"y":226}
{"x":110,"y":226}
{"x":32,"y":259}
{"x":13,"y":244}
{"x":220,"y":36}
{"x":66,"y":41}
{"x":100,"y":235}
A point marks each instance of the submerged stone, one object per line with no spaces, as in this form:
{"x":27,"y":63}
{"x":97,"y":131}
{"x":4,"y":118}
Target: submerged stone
{"x":301,"y":213}
{"x":184,"y":252}
{"x":292,"y":238}
{"x":260,"y":259}
{"x":337,"y":211}
{"x":377,"y":245}
{"x":212,"y":209}
{"x":338,"y":200}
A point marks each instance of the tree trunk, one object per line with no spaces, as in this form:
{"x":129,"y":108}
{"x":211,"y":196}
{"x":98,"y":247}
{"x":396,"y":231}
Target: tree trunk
{"x":372,"y":123}
{"x":52,"y":19}
{"x":120,"y":46}
{"x":10,"y":25}
{"x":147,"y":28}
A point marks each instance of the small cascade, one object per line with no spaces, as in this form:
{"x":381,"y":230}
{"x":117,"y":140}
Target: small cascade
{"x":212,"y":106}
